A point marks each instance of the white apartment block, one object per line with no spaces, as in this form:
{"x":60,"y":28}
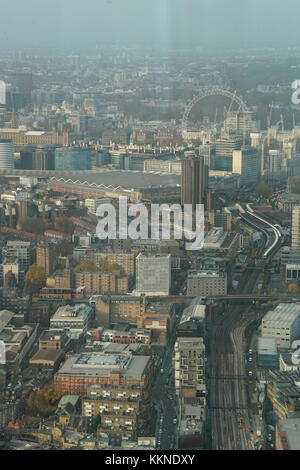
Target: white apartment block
{"x":153,"y":274}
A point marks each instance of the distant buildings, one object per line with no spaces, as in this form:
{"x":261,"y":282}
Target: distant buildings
{"x":37,"y":157}
{"x":71,"y":159}
{"x":21,"y":137}
{"x":246,"y":162}
{"x":153,"y":274}
{"x":225,"y":145}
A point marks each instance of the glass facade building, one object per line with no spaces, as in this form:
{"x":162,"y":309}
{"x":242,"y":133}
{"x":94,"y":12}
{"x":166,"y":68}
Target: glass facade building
{"x":72,"y":159}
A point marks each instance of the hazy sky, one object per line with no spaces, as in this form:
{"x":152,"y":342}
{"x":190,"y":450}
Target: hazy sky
{"x":216,"y":23}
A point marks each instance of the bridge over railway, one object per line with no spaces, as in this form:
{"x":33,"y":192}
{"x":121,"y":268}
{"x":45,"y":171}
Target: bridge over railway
{"x":216,"y":298}
{"x":229,"y":297}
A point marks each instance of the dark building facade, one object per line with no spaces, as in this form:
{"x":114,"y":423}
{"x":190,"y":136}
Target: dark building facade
{"x":194,"y":180}
{"x":37,"y":157}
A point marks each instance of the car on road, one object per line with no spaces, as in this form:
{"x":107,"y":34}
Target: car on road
{"x":175,"y":420}
{"x":250,"y":372}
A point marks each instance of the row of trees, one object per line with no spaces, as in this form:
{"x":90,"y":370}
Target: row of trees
{"x":37,"y":225}
{"x":104,"y":266}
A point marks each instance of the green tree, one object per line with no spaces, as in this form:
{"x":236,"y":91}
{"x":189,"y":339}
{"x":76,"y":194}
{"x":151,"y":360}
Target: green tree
{"x":35,"y":277}
{"x":54,"y":394}
{"x":293,"y":288}
{"x":86,"y":266}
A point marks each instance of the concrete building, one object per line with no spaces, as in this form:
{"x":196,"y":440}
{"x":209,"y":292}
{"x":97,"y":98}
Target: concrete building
{"x":20,"y":250}
{"x":72,"y":318}
{"x":225,"y":145}
{"x":220,"y":219}
{"x":21,"y":137}
{"x":71,"y":158}
{"x":246,"y":163}
{"x":222,"y":242}
{"x":18,"y":340}
{"x":267,"y":356}
{"x":92,"y":203}
{"x":96,"y":282}
{"x":6,"y":154}
{"x":189,"y":355}
{"x":282,"y":324}
{"x":292,"y":272}
{"x":113,"y":370}
{"x":163,"y":166}
{"x":153,"y":274}
{"x":45,"y":256}
{"x":241,"y":122}
{"x":119,"y":308}
{"x":206,"y":283}
{"x":283,"y":390}
{"x":288,"y":434}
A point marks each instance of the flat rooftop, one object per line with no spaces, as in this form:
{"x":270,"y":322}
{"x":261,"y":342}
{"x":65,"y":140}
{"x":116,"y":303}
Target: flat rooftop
{"x":102,"y":365}
{"x":282,"y":316}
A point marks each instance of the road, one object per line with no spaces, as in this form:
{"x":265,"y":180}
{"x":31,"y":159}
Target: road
{"x":164,"y":398}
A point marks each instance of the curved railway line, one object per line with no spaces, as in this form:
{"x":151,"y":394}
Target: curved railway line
{"x":230,"y":416}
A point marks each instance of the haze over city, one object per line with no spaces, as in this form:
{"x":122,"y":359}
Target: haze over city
{"x":149,"y":228}
{"x":211,"y":24}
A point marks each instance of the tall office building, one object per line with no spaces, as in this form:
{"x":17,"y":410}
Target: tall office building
{"x":6,"y":154}
{"x":153,"y":273}
{"x":37,"y":157}
{"x":71,"y":158}
{"x":194,"y":180}
{"x":246,"y":162}
{"x":296,"y":228}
